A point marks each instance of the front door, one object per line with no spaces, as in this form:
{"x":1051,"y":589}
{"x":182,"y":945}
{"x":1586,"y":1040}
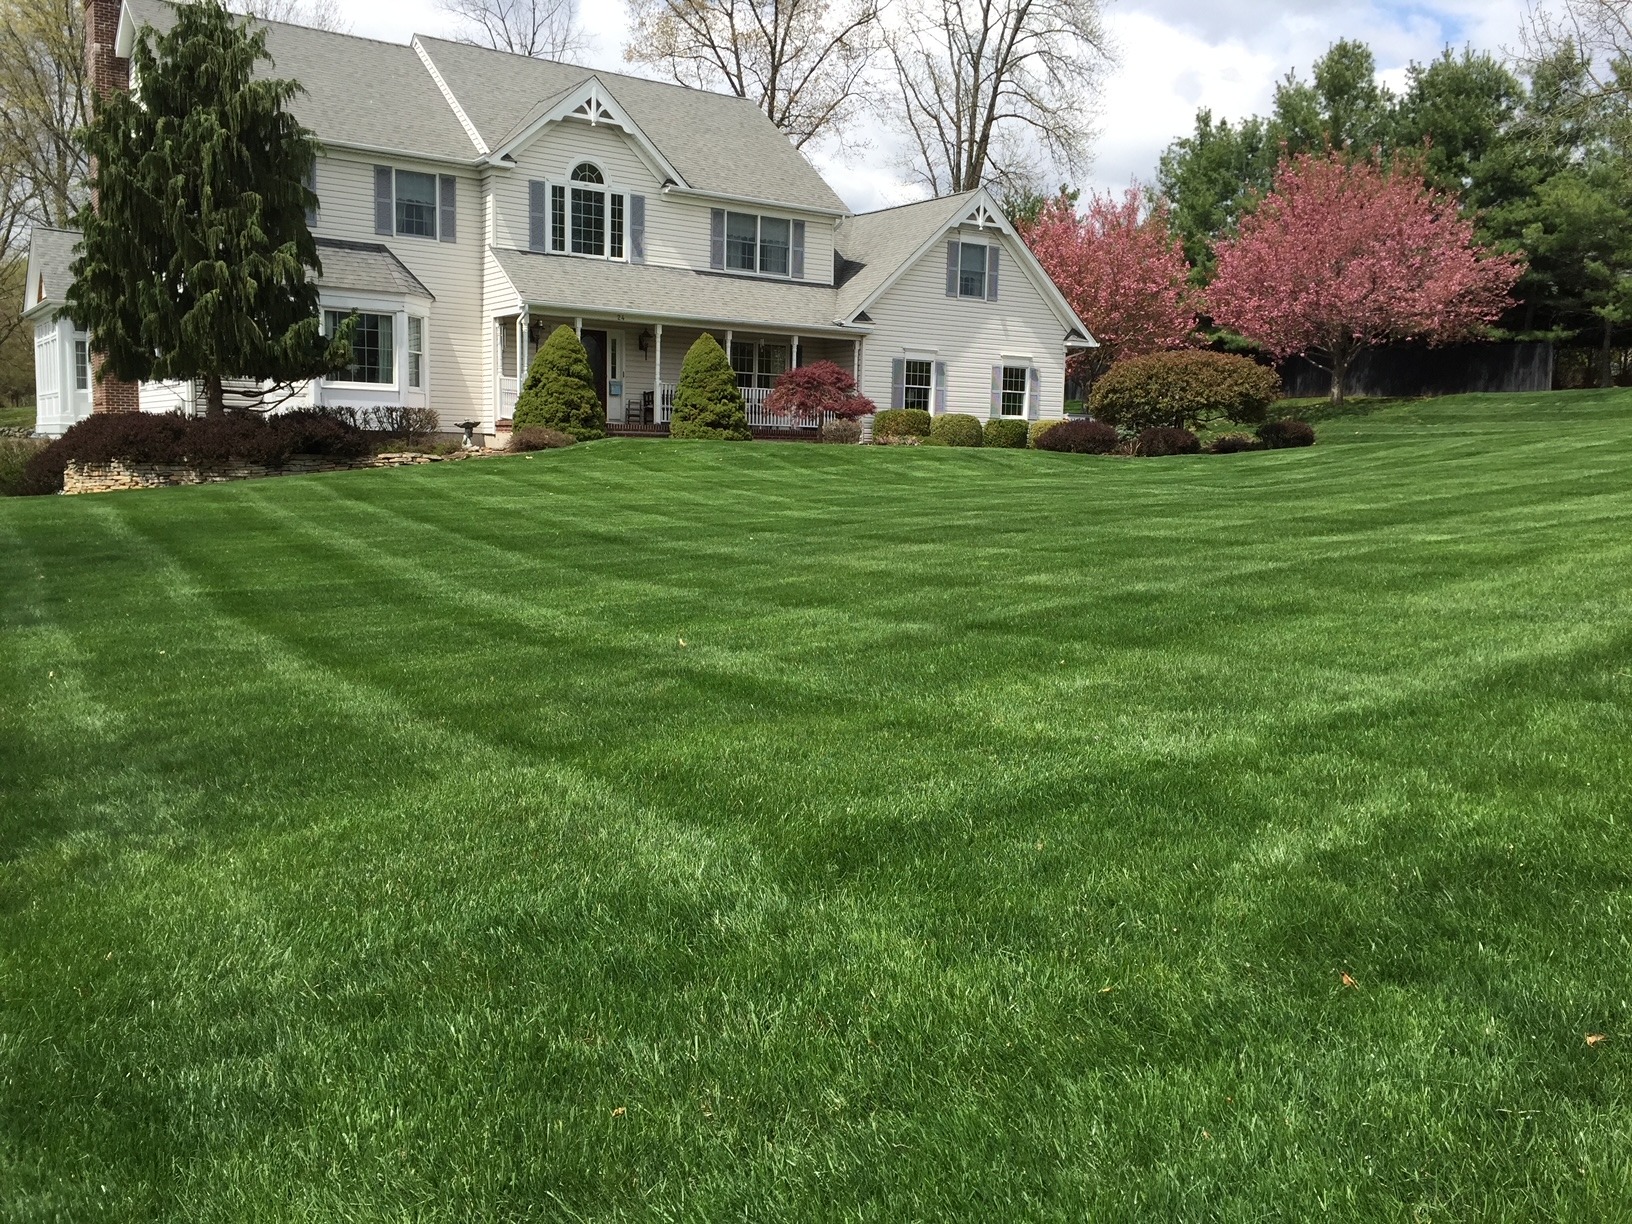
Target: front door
{"x":595,"y":346}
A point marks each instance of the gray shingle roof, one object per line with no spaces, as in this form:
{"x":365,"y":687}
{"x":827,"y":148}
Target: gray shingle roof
{"x":366,"y":267}
{"x":357,"y":91}
{"x":609,"y":287}
{"x":882,"y":241}
{"x":716,"y":141}
{"x":50,"y":266}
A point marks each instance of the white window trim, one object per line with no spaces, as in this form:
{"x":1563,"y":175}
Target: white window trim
{"x":759,"y":243}
{"x":986,"y":269}
{"x":607,"y":191}
{"x":409,"y":353}
{"x":436,"y":211}
{"x":1010,"y":362}
{"x":399,"y":310}
{"x":932,"y":357}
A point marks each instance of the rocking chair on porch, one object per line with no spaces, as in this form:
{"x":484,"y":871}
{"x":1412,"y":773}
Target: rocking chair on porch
{"x":642,"y":413}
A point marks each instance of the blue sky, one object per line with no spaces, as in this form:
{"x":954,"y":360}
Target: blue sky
{"x":1174,"y":56}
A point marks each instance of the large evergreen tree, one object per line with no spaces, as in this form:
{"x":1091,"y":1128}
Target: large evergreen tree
{"x":197,"y":261}
{"x":707,"y":402}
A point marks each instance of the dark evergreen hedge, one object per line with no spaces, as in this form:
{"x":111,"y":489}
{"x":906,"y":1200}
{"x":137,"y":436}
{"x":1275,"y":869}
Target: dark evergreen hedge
{"x":1079,"y":438}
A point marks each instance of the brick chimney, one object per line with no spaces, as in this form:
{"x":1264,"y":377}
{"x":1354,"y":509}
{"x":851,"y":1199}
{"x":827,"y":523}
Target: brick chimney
{"x":105,"y":71}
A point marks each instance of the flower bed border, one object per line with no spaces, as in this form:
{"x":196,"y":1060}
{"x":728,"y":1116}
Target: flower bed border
{"x":116,"y":477}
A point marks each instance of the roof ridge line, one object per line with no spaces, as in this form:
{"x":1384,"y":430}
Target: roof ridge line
{"x":448,"y":96}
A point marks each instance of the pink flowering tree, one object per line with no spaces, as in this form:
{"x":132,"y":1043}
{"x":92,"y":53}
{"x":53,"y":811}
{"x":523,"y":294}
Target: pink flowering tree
{"x":809,"y":392}
{"x":1124,"y":273}
{"x":1343,"y":254}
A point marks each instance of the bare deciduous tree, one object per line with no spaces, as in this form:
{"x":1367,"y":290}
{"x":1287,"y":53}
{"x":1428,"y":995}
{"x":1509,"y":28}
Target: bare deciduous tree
{"x":992,"y":89}
{"x":318,"y":14}
{"x":803,"y":62}
{"x":543,"y":29}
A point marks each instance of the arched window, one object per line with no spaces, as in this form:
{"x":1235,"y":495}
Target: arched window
{"x":596,"y":214}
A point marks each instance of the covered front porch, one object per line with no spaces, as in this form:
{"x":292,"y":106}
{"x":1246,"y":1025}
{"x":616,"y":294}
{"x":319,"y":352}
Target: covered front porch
{"x":636,"y":364}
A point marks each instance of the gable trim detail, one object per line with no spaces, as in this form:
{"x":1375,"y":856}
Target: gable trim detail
{"x":588,"y":102}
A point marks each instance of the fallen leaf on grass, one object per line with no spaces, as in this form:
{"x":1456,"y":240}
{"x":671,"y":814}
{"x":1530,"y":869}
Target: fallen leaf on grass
{"x":1347,"y":980}
{"x":1596,"y":1039}
{"x":619,"y":1112}
{"x":1105,"y":990}
{"x":682,"y":641}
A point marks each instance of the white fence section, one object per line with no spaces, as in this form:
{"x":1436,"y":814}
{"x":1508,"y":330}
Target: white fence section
{"x":754,"y":404}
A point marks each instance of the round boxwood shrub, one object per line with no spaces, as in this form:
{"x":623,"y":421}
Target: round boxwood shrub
{"x":1278,"y":435}
{"x":1080,"y":438}
{"x":560,"y":389}
{"x":956,"y":429}
{"x":1006,"y":432}
{"x":707,"y":403}
{"x":1166,"y":440}
{"x":1189,"y":389}
{"x":901,"y":423}
{"x":1234,"y":444}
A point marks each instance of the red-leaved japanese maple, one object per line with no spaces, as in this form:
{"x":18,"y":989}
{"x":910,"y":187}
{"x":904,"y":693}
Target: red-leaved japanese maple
{"x":809,"y":392}
{"x":1343,"y":254}
{"x":1123,"y":272}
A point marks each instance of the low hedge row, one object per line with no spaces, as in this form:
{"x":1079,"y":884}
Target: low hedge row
{"x":203,"y":442}
{"x":901,"y":423}
{"x":1008,"y":432}
{"x":956,"y":429}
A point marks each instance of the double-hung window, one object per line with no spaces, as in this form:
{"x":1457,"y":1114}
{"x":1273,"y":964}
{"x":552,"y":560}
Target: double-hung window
{"x":759,"y":363}
{"x":373,"y":358}
{"x":1016,"y":379}
{"x":972,"y":270}
{"x":412,"y":203}
{"x":918,"y":384}
{"x":82,"y":365}
{"x":416,"y":204}
{"x":416,"y":352}
{"x":596,"y":221}
{"x":770,"y":246}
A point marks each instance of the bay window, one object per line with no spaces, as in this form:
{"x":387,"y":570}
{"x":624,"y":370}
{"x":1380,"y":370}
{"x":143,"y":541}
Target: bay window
{"x":373,"y":356}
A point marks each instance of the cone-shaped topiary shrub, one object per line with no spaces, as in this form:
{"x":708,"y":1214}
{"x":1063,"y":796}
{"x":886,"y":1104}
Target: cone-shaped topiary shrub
{"x":707,"y":403}
{"x":560,"y":389}
{"x":956,"y":429}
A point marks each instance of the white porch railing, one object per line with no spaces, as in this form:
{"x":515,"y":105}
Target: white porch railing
{"x":754,"y":400}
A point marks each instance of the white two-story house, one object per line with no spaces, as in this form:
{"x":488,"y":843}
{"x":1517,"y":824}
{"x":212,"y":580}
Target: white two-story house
{"x":471,"y":201}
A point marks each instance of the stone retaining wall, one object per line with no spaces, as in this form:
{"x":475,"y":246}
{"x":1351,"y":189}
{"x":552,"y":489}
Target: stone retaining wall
{"x":117,"y":476}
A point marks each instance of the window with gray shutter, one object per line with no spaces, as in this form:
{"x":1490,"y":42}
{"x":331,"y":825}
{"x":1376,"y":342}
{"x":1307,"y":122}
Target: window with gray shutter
{"x":940,"y":386}
{"x":637,"y":229}
{"x":558,"y":217}
{"x":385,"y":216}
{"x":798,"y":258}
{"x":1034,"y":404}
{"x":991,"y":273}
{"x":716,"y":238}
{"x":898,"y":382}
{"x":538,"y":220}
{"x":952,"y":268}
{"x":448,"y":198}
{"x":997,"y":391}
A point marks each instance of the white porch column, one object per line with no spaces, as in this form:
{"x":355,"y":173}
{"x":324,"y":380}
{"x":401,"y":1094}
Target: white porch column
{"x":578,"y":326}
{"x":728,"y":334}
{"x":793,"y":353}
{"x":657,"y":372}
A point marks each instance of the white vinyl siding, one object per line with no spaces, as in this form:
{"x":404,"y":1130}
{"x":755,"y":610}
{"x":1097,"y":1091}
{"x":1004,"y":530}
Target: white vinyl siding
{"x":454,"y":332}
{"x":915,"y":319}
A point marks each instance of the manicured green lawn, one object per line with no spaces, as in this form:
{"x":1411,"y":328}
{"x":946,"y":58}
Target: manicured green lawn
{"x":652,"y":831}
{"x":17,"y":418}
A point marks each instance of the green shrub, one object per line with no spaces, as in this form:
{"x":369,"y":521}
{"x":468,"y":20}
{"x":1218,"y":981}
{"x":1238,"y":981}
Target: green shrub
{"x":1162,"y":440}
{"x":14,"y":456}
{"x":560,"y":389}
{"x":901,"y":423}
{"x":1234,"y":444}
{"x":707,"y":403}
{"x":1278,"y":435}
{"x":1080,"y":438}
{"x":956,"y":429}
{"x":1007,"y":432}
{"x":1039,"y":428}
{"x":1189,"y":389}
{"x":539,"y":437}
